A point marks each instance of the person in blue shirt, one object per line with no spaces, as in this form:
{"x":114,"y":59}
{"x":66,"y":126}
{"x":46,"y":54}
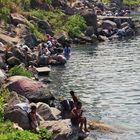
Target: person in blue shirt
{"x":67,"y":51}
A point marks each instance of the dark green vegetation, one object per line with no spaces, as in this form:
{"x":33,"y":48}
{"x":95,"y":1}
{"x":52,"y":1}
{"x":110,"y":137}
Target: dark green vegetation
{"x":7,"y":132}
{"x":71,"y":25}
{"x":126,"y":2}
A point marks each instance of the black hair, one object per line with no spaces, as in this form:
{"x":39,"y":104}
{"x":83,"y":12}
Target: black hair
{"x":33,"y":107}
{"x":71,"y":92}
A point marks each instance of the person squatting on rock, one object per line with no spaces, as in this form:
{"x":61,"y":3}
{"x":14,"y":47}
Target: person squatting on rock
{"x":34,"y":118}
{"x":77,"y":117}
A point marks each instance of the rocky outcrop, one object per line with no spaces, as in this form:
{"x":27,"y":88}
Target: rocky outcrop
{"x":62,"y":129}
{"x":103,"y":127}
{"x":42,"y":24}
{"x":47,"y":112}
{"x":33,"y":90}
{"x":16,"y":110}
{"x":16,"y":18}
{"x":30,"y":40}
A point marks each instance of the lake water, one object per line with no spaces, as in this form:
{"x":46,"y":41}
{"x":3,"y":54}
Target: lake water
{"x":106,"y":77}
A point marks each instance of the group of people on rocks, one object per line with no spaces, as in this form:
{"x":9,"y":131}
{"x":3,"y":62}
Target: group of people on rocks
{"x":55,"y":52}
{"x":76,"y":115}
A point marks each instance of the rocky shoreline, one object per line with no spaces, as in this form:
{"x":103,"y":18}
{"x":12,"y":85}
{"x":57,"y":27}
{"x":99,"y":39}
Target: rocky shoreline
{"x":19,"y":45}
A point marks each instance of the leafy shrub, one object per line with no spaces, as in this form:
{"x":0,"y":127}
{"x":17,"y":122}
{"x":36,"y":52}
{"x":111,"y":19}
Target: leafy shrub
{"x":131,"y":2}
{"x":38,"y":13}
{"x":75,"y":25}
{"x":57,"y":20}
{"x":45,"y":134}
{"x":19,"y":135}
{"x":4,"y":13}
{"x":19,"y":70}
{"x":34,"y":30}
{"x":6,"y":127}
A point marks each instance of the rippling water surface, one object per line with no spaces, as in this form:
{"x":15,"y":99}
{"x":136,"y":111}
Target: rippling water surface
{"x":106,"y":77}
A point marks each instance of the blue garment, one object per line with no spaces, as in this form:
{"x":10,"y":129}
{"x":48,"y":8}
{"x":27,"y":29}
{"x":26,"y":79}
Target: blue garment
{"x":67,"y":51}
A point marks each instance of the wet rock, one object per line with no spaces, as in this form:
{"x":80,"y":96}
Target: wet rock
{"x":102,"y":127}
{"x":16,"y":18}
{"x":34,"y":91}
{"x":102,"y":38}
{"x":46,"y":112}
{"x":94,"y":38}
{"x":87,"y":39}
{"x":107,"y":24}
{"x":89,"y":31}
{"x":62,"y":129}
{"x":12,"y":61}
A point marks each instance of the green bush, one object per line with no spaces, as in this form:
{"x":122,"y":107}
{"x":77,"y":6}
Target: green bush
{"x":34,"y":30}
{"x":19,"y":135}
{"x":57,"y":20}
{"x":131,"y":2}
{"x":38,"y":13}
{"x":6,"y":127}
{"x":4,"y":13}
{"x":75,"y":25}
{"x":19,"y":70}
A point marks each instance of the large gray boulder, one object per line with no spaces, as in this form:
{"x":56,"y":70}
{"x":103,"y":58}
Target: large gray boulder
{"x":62,"y":129}
{"x":46,"y":112}
{"x":34,"y":91}
{"x":18,"y":116}
{"x":14,"y":112}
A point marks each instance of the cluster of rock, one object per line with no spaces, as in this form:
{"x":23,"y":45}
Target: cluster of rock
{"x":106,"y":23}
{"x":24,"y":91}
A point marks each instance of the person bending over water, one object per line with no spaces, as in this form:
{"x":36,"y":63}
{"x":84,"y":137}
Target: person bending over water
{"x":77,"y":118}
